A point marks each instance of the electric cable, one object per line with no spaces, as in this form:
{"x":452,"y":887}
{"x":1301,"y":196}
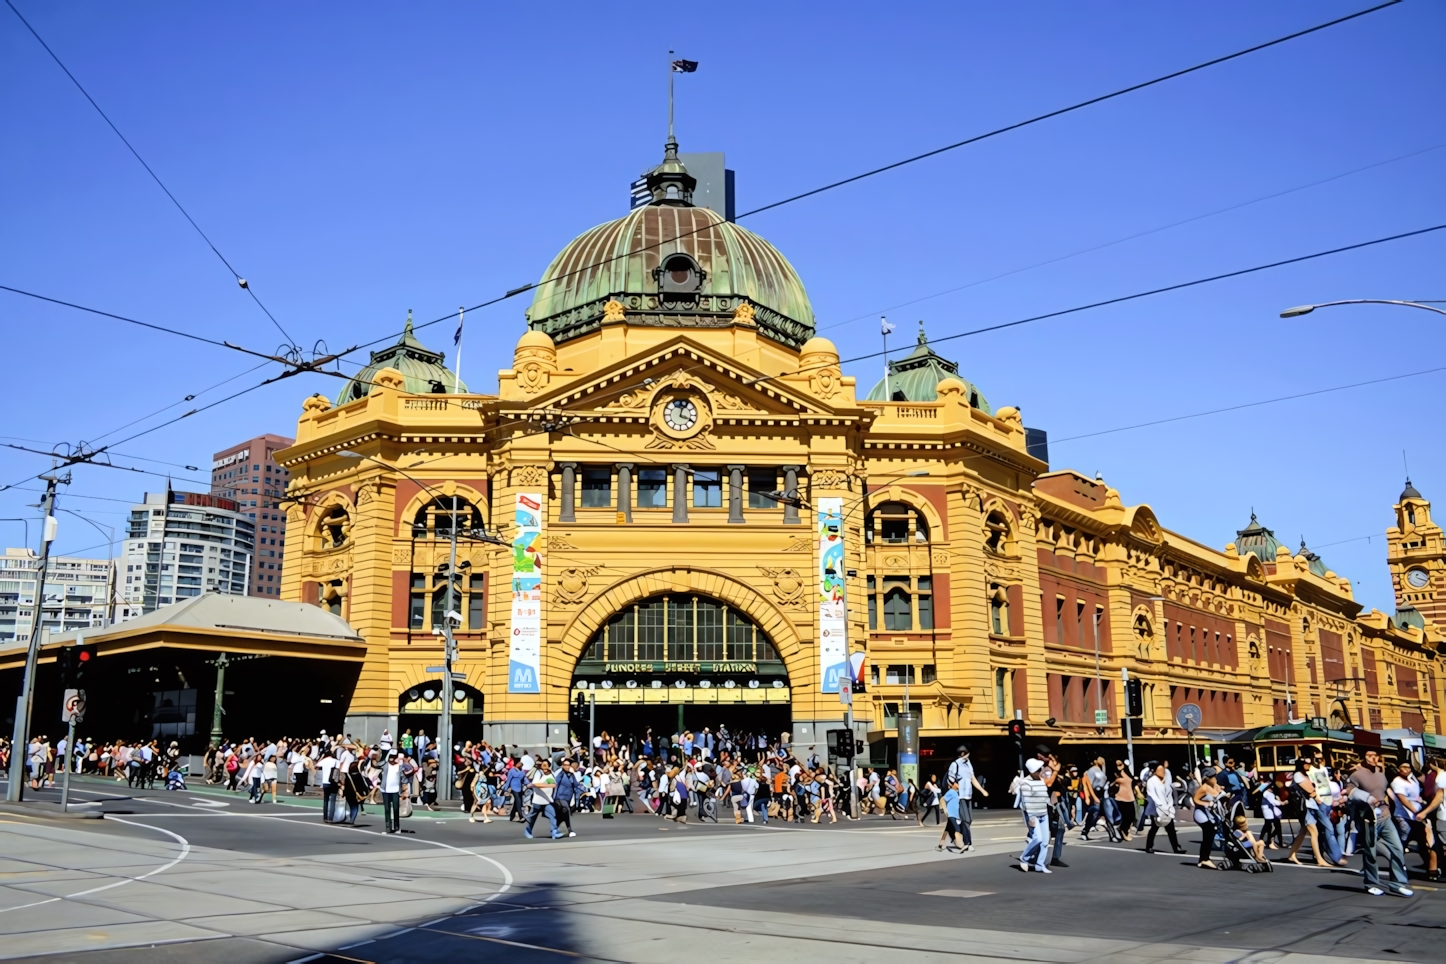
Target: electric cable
{"x":245,"y":286}
{"x":909,"y":160}
{"x":1131,"y":237}
{"x":1244,"y":405}
{"x":1157,"y":291}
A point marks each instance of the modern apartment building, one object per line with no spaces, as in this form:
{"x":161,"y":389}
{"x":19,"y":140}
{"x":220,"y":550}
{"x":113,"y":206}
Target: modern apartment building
{"x":247,"y":474}
{"x":77,"y":594}
{"x":181,"y":544}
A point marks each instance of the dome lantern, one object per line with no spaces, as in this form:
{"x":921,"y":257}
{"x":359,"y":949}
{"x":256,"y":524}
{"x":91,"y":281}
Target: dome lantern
{"x":422,"y":369}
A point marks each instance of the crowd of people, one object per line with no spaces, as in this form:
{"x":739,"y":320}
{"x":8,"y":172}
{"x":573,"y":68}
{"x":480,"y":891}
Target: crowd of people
{"x":1359,"y":810}
{"x":1356,"y":810}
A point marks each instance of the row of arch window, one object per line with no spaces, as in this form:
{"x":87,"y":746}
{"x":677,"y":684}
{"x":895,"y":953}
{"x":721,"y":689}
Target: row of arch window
{"x":680,"y":628}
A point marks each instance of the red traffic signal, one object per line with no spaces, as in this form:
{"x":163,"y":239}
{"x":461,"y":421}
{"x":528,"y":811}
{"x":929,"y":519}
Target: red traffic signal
{"x":84,"y":656}
{"x":1016,"y":730}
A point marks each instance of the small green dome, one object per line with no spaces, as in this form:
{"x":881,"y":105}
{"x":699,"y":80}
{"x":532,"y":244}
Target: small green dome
{"x":1258,"y":540}
{"x":1315,"y":563}
{"x":1409,"y":616}
{"x":917,"y":377}
{"x":422,"y":370}
{"x":713,"y":266}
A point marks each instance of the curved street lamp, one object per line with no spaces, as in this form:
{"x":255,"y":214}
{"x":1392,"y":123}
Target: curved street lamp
{"x":1307,"y":309}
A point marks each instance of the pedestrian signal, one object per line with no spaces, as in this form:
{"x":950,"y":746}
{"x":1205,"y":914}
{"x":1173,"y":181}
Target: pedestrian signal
{"x":1134,"y":698}
{"x":1016,"y":730}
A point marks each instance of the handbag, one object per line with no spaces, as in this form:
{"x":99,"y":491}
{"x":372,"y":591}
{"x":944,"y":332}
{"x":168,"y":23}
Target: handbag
{"x":404,"y":807}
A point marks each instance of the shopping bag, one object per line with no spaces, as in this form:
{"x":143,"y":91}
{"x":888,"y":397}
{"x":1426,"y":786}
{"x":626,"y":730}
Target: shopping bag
{"x":404,"y":807}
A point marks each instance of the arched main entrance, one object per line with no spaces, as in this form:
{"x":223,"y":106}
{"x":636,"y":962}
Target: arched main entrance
{"x":419,"y":709}
{"x":680,"y":660}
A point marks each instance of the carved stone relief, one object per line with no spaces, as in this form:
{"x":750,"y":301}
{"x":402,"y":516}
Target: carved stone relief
{"x":788,"y":584}
{"x":572,"y":584}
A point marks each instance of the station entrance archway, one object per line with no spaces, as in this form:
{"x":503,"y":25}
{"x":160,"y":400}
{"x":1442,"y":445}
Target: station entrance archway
{"x":677,"y":661}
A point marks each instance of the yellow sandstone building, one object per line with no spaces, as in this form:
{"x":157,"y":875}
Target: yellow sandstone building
{"x":702,"y":519}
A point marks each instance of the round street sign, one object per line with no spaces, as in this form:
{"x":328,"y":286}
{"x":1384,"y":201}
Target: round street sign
{"x":1189,"y":717}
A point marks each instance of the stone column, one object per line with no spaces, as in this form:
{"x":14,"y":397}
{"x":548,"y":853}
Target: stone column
{"x":735,"y":494}
{"x":625,"y":491}
{"x":790,"y":488}
{"x":680,"y":492}
{"x":569,"y":492}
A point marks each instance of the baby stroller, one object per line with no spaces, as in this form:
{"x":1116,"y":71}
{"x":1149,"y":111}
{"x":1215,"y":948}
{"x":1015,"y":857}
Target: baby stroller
{"x":176,"y":778}
{"x":1238,"y":854}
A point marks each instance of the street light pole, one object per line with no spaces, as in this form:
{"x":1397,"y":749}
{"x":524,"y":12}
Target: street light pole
{"x":24,"y":702}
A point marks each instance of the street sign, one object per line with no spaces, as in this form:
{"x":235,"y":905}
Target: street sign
{"x":845,"y":691}
{"x":1102,"y":717}
{"x":436,"y":669}
{"x":1189,"y":717}
{"x":72,"y":708}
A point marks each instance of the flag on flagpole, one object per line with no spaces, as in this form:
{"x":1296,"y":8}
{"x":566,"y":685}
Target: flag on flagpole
{"x":884,"y":326}
{"x":684,"y":66}
{"x":457,"y":343}
{"x":457,"y":338}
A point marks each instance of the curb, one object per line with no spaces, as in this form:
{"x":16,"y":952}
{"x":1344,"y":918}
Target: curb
{"x":49,"y":810}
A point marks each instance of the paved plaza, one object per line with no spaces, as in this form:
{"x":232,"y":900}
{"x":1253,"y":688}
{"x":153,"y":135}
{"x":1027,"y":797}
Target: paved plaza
{"x":205,"y":876}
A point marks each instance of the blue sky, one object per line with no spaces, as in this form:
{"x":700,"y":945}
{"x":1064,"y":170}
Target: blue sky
{"x":356,"y":161}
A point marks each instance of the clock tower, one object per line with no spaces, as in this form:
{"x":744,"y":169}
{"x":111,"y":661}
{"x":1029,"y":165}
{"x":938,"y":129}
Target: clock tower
{"x":1416,"y":554}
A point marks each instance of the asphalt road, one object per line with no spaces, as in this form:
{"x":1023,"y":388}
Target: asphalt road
{"x":271,"y":883}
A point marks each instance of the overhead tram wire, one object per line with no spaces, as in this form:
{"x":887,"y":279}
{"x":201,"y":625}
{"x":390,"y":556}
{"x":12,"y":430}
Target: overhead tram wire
{"x":245,"y":286}
{"x":514,"y":292}
{"x":1131,"y":237}
{"x":1245,"y":405}
{"x":1154,"y":291}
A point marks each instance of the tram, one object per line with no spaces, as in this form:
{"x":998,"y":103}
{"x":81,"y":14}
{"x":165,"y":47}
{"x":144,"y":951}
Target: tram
{"x":1277,"y":747}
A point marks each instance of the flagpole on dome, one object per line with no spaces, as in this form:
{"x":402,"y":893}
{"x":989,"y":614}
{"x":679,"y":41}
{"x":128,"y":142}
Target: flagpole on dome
{"x":884,"y":329}
{"x":457,"y":343}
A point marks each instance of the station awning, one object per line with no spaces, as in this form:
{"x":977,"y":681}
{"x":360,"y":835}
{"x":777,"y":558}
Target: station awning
{"x":214,"y":622}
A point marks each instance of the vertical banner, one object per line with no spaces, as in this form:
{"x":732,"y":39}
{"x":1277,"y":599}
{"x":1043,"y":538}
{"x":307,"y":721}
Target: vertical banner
{"x":833,"y":649}
{"x":525,"y":658}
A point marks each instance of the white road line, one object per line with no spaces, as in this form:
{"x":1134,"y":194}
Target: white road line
{"x":185,"y":852}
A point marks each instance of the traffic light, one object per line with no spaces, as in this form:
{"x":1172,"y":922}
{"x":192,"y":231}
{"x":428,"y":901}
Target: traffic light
{"x":841,"y":745}
{"x":1132,"y":726}
{"x":65,"y":661}
{"x":1016,"y":730}
{"x":1134,"y":698}
{"x":84,"y":656}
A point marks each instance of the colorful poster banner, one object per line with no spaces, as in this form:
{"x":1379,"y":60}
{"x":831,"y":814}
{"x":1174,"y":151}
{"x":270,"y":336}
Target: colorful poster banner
{"x":524,"y":673}
{"x":833,"y":648}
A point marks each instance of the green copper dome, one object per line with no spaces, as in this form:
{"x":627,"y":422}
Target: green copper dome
{"x":1314,"y":562}
{"x":712,"y":267}
{"x":422,"y":370}
{"x":1257,"y":539}
{"x":916,"y":378}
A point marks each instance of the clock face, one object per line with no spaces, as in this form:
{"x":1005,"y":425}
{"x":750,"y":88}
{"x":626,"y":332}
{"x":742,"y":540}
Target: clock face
{"x":1418,"y":578}
{"x":680,"y":415}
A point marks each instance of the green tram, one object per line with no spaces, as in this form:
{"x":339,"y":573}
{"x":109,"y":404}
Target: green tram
{"x":1277,"y":747}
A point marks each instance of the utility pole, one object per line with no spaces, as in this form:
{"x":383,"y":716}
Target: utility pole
{"x":216,"y":730}
{"x":24,"y":702}
{"x":1129,"y":723}
{"x":444,"y":739}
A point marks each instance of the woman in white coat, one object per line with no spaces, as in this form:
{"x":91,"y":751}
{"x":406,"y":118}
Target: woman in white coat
{"x":1160,"y":809}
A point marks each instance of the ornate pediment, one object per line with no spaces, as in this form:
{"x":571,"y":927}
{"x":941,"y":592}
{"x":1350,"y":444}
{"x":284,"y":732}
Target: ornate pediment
{"x":631,"y":388}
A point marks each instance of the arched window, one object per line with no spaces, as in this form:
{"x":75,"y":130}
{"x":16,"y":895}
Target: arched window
{"x":429,"y":599}
{"x":434,"y":520}
{"x":998,"y":610}
{"x":333,"y":528}
{"x":996,"y":533}
{"x":896,"y":523}
{"x":331,"y":595}
{"x":680,"y":628}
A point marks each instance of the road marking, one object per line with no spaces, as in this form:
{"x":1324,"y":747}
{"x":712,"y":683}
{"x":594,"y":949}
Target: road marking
{"x":956,"y":893}
{"x":185,"y":852}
